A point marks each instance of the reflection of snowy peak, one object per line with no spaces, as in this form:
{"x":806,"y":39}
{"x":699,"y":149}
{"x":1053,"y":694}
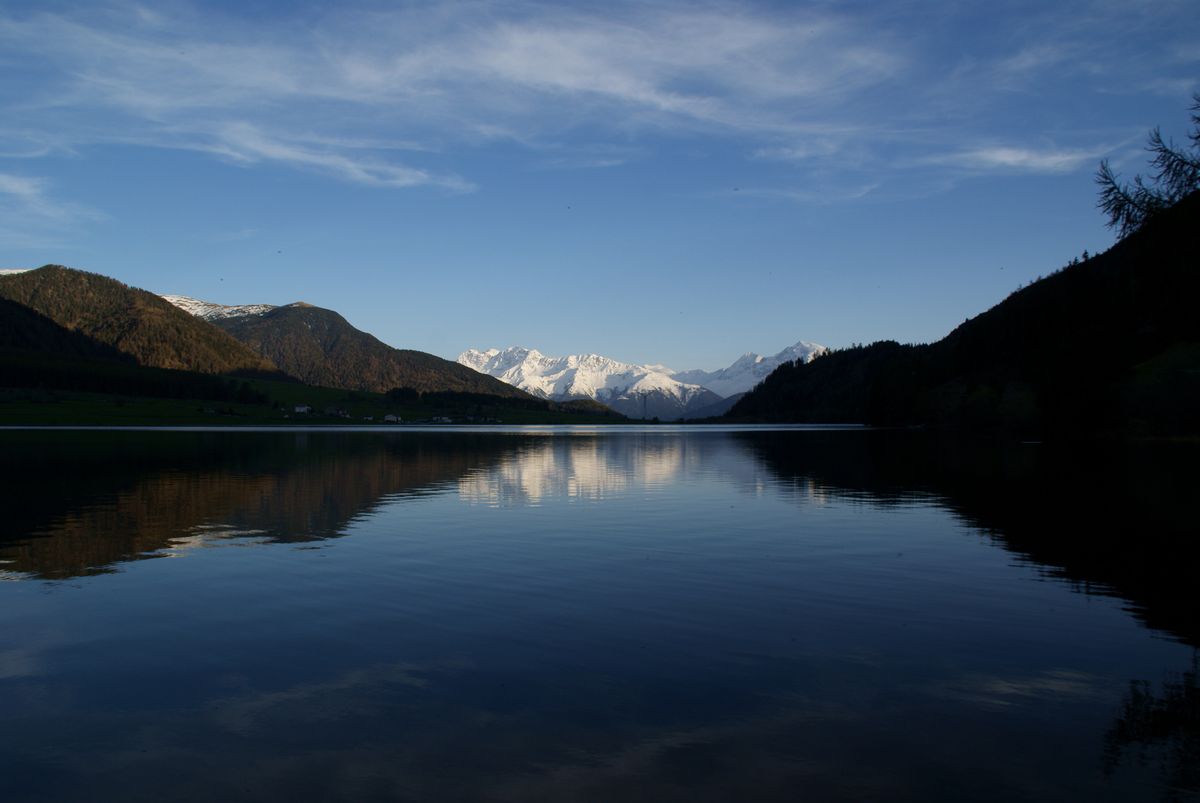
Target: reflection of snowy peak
{"x":748,"y":370}
{"x":639,"y":391}
{"x":211,"y":312}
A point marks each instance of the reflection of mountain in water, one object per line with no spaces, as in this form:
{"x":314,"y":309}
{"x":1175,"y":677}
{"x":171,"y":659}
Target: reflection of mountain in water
{"x":1110,"y":518}
{"x":599,"y":467}
{"x":584,"y":467}
{"x":83,"y":501}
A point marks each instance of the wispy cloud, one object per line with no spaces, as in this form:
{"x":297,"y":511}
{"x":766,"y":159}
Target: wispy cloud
{"x":29,"y":214}
{"x":247,"y":144}
{"x":31,"y":193}
{"x":389,"y":96}
{"x":588,"y":157}
{"x":1030,"y":160}
{"x":815,"y":196}
{"x":533,"y":74}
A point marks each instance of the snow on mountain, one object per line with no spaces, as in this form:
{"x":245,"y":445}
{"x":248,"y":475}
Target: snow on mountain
{"x":747,"y":370}
{"x":211,"y":312}
{"x":639,"y":391}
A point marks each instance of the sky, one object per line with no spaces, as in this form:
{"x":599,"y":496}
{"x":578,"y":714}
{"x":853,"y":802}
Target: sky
{"x":659,"y":182}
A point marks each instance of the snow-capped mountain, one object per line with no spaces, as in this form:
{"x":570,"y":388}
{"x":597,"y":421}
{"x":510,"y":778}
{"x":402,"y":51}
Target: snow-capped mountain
{"x":747,"y":370}
{"x":212,"y":312}
{"x":638,"y":391}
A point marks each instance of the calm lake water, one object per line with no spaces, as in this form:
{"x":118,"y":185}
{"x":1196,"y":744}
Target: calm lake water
{"x":633,"y":615}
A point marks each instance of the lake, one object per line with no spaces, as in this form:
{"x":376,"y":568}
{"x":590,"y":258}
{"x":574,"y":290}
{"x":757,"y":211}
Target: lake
{"x":634,"y":614}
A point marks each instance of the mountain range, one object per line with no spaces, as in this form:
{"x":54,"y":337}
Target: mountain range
{"x":748,"y":370}
{"x":1110,"y":344}
{"x":638,"y":391}
{"x":57,"y":321}
{"x":320,"y":347}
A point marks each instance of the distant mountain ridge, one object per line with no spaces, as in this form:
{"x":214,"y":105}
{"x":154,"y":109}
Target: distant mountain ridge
{"x":212,"y":312}
{"x":320,"y":347}
{"x":135,"y":322}
{"x":641,"y":391}
{"x":749,"y":369}
{"x":638,"y":391}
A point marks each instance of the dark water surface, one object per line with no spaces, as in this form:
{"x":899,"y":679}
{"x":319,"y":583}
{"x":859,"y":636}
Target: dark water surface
{"x":633,"y":615}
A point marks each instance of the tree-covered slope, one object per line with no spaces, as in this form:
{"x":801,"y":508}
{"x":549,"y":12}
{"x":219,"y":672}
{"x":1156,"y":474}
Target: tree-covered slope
{"x":1111,"y":342}
{"x":25,"y":329}
{"x":319,"y":347}
{"x":38,"y":355}
{"x":132,"y":321}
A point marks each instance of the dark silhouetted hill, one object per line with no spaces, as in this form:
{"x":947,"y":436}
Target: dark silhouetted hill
{"x":150,"y":330}
{"x":24,"y":329}
{"x":38,"y":354}
{"x":319,"y":347}
{"x":1109,"y":343}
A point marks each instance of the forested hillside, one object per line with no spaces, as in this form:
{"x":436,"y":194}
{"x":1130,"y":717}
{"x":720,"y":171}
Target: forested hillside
{"x":151,"y":331}
{"x":1112,"y":342}
{"x":320,"y":347}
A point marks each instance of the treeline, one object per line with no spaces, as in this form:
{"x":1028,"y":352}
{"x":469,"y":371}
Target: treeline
{"x":484,"y":402}
{"x":456,"y":398}
{"x":39,"y":371}
{"x":1111,"y":342}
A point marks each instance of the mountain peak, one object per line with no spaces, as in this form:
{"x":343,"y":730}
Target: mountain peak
{"x":641,"y":391}
{"x":749,"y":369}
{"x":211,"y":311}
{"x":320,"y":347}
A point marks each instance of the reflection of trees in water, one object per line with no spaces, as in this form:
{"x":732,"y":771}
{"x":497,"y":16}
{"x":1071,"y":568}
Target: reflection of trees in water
{"x":1109,"y":518}
{"x":1114,"y":519}
{"x":1165,"y":726}
{"x":86,"y":502}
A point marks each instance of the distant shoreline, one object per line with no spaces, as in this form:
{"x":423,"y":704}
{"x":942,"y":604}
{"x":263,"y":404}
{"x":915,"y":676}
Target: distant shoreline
{"x":422,"y":428}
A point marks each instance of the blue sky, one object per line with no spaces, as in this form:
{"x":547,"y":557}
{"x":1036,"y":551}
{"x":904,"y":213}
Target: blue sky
{"x":657,"y":181}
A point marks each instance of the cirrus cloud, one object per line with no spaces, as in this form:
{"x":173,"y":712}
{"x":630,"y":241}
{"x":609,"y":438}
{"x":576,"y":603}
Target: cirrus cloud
{"x":393,"y":96}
